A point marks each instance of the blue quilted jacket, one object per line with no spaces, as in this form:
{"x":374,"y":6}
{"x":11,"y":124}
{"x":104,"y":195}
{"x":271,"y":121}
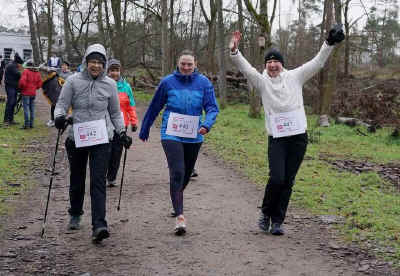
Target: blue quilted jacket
{"x":183,"y":94}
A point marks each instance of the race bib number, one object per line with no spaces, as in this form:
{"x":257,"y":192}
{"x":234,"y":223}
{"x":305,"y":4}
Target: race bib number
{"x":288,"y":123}
{"x":182,"y":125}
{"x":90,"y":133}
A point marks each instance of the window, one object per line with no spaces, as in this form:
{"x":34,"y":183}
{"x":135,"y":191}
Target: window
{"x":7,"y":53}
{"x":27,"y":54}
{"x":60,"y":42}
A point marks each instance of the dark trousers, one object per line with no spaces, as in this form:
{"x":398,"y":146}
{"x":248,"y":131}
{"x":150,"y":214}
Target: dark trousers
{"x":11,"y":102}
{"x":52,"y":108}
{"x":98,"y":156}
{"x":181,"y":159}
{"x":285,"y":155}
{"x":115,"y":158}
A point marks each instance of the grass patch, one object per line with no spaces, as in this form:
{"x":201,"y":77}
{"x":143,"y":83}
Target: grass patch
{"x":370,"y":206}
{"x":15,"y":159}
{"x":142,"y":97}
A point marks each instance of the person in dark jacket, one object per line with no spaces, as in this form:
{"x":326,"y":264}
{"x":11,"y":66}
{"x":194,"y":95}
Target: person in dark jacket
{"x":51,"y":86}
{"x":96,"y":114}
{"x":185,"y":94}
{"x":2,"y":67}
{"x":30,"y":81}
{"x":11,"y":79}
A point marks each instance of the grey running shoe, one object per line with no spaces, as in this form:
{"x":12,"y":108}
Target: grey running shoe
{"x":74,"y":223}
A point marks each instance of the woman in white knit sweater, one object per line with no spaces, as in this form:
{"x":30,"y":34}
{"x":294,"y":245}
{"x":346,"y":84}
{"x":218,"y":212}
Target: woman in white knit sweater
{"x":281,"y":91}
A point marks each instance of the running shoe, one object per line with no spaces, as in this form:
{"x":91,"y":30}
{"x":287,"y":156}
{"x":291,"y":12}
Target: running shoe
{"x":180,"y":226}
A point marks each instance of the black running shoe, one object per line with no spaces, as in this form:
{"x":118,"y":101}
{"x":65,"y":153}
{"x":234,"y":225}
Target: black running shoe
{"x":277,"y":230}
{"x":100,"y":234}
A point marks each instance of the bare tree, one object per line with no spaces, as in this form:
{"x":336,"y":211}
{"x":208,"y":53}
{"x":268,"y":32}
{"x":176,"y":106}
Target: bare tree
{"x":66,"y":6}
{"x":221,"y":56}
{"x":329,"y":74}
{"x":211,"y":22}
{"x":264,"y":24}
{"x":164,"y":37}
{"x":32,"y":29}
{"x":50,"y":9}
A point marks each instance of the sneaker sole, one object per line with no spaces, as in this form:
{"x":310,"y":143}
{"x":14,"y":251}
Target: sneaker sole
{"x":73,"y":227}
{"x":277,"y":233}
{"x":180,"y":231}
{"x":101,"y":236}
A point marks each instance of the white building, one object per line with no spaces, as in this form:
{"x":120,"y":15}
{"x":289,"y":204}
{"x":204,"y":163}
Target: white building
{"x":11,"y":43}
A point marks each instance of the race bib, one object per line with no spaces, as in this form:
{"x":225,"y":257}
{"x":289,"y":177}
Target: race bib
{"x":288,"y":123}
{"x":90,"y":133}
{"x":182,"y":125}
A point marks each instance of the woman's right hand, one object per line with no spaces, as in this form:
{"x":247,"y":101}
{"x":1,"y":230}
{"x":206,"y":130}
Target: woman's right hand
{"x":233,"y":45}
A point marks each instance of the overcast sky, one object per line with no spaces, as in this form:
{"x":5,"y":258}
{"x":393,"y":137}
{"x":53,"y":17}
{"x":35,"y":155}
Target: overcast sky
{"x":11,"y":15}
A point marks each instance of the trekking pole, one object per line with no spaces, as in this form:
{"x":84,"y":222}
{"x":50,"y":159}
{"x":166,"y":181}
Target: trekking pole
{"x":122,"y":179}
{"x":59,"y":134}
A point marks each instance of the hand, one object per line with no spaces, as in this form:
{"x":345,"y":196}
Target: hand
{"x":335,"y":35}
{"x":233,"y":45}
{"x":125,"y":140}
{"x":133,"y":128}
{"x":60,"y":122}
{"x":203,"y":131}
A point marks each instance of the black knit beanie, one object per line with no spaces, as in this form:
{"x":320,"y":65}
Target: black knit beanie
{"x":274,"y":54}
{"x":96,"y":56}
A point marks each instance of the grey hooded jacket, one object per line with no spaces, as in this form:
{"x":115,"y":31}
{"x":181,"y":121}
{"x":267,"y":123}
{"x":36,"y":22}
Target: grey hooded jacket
{"x":91,"y":99}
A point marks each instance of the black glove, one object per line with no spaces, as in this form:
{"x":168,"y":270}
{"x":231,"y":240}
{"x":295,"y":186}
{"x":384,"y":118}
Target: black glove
{"x":60,"y":122}
{"x":133,"y":128}
{"x":126,"y":141}
{"x":335,"y":35}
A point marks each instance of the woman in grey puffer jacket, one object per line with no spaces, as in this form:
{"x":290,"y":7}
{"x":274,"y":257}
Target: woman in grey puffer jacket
{"x":93,"y":98}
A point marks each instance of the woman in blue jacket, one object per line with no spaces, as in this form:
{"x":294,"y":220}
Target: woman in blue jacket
{"x":185,"y":94}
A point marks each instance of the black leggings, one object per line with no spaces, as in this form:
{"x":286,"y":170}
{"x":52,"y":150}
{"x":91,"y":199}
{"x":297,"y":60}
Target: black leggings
{"x":181,"y":159}
{"x":284,"y":157}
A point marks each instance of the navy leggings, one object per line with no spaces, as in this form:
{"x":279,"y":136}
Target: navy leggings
{"x":181,"y":159}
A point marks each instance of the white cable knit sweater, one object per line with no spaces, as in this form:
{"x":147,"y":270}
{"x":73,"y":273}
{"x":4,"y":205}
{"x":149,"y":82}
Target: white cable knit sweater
{"x":285,"y":92}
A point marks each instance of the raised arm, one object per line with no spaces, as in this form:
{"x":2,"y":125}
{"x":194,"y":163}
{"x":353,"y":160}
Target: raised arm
{"x":251,"y":73}
{"x":309,"y":69}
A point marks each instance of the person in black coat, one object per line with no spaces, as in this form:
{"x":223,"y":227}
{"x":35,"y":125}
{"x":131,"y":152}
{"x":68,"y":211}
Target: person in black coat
{"x":11,"y":79}
{"x":2,"y":67}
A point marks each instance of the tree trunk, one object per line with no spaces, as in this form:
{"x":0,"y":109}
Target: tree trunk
{"x":329,"y":74}
{"x":100,"y":23}
{"x":347,"y":39}
{"x":194,"y":2}
{"x":264,"y":23}
{"x":240,"y":22}
{"x":164,"y":37}
{"x":50,"y":28}
{"x":67,"y":37}
{"x":171,"y":55}
{"x":211,"y":22}
{"x":221,"y":56}
{"x":118,"y":46}
{"x":40,"y":41}
{"x":32,"y":29}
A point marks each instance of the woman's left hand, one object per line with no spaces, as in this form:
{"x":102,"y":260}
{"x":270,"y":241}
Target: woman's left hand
{"x":203,"y":131}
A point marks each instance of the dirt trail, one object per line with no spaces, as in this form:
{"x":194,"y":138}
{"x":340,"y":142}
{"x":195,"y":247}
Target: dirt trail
{"x":222,"y":239}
